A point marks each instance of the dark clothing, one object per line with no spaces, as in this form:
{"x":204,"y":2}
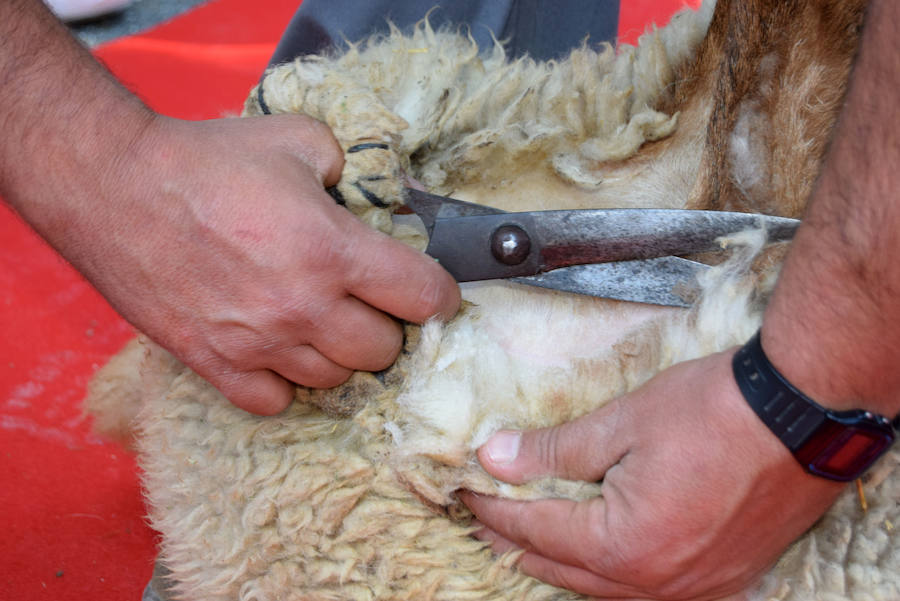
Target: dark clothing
{"x":542,"y":29}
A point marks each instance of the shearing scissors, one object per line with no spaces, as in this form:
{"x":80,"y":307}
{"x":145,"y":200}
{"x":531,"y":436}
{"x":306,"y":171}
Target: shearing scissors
{"x":625,"y":254}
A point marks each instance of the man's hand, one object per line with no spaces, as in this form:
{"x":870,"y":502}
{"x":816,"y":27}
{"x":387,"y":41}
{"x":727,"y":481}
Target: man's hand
{"x":218,"y":240}
{"x":698,"y":497}
{"x":214,"y":238}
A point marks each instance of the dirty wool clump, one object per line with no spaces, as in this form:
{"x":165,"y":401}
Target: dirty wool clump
{"x":349,"y":493}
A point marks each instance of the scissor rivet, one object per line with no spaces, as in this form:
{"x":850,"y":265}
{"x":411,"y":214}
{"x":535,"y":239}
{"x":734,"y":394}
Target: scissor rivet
{"x":510,"y":244}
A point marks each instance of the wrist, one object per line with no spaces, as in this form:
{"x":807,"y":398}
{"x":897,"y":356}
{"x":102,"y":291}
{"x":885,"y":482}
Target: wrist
{"x":835,"y":445}
{"x":69,"y":176}
{"x":827,"y":336}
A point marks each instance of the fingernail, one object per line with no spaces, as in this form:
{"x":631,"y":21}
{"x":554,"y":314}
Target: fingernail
{"x":503,"y":447}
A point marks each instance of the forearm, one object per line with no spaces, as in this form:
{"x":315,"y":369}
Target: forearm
{"x":833,"y":326}
{"x":65,"y":121}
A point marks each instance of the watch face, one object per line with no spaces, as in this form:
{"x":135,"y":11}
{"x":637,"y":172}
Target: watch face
{"x":844,"y":445}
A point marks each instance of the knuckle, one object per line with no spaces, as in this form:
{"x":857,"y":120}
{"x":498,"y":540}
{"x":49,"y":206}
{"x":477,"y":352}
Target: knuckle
{"x":208,"y":361}
{"x":643,"y":549}
{"x":234,"y":345}
{"x":606,"y":550}
{"x":548,"y":449}
{"x":327,"y":252}
{"x":306,"y":319}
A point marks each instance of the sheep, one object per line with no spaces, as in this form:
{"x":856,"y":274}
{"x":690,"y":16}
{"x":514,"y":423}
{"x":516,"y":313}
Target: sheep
{"x":349,"y":493}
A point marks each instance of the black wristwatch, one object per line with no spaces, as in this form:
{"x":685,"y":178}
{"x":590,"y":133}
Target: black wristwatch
{"x":839,"y":445}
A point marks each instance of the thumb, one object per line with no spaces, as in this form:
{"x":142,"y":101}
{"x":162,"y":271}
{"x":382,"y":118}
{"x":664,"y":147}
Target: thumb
{"x":583,"y":449}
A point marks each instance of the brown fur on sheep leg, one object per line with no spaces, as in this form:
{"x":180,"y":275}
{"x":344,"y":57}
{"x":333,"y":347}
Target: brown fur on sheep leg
{"x":306,"y":505}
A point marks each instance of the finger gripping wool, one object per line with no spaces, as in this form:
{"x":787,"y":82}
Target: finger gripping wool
{"x":349,"y":493}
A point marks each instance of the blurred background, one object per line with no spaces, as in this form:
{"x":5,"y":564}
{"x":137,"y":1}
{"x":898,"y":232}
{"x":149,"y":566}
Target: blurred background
{"x":116,"y":18}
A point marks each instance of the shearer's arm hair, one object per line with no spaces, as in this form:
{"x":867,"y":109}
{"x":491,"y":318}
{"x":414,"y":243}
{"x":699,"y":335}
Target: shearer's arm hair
{"x":833,"y":326}
{"x":65,"y":121}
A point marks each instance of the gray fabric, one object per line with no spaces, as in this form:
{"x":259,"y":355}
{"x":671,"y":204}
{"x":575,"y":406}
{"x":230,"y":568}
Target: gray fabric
{"x":540,"y":28}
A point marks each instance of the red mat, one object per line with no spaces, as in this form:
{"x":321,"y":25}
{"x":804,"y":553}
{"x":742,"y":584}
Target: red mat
{"x":70,"y":507}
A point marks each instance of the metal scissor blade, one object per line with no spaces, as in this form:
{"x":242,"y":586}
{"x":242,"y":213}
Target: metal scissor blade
{"x":467,"y":246}
{"x":669,"y":281}
{"x":431,"y":207}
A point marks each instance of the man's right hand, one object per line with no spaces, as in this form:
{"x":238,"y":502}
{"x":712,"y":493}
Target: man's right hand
{"x":218,"y":241}
{"x":215,"y":238}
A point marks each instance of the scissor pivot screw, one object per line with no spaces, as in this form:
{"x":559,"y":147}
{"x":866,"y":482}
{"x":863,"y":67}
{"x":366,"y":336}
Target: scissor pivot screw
{"x":510,"y":244}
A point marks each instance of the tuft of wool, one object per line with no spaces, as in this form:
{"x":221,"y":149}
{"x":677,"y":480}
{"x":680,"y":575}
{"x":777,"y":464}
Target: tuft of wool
{"x":349,"y":493}
{"x":470,"y":118}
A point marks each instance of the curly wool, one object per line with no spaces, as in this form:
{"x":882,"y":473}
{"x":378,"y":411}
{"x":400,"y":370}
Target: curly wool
{"x":313,"y":504}
{"x":469,"y":118}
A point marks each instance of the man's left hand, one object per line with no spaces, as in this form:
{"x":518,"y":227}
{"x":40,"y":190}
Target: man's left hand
{"x":697,"y":499}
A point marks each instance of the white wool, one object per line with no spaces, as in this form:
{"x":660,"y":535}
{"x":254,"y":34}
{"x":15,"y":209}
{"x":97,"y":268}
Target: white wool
{"x":530,"y":358}
{"x":495,"y":368}
{"x":747,"y":150}
{"x":472,"y":118}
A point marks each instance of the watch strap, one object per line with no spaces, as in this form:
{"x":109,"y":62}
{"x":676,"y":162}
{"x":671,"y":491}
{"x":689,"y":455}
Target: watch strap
{"x":838,"y":445}
{"x":791,"y":415}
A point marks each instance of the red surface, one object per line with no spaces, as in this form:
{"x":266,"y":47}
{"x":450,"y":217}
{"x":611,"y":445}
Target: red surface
{"x":636,"y":15}
{"x":70,"y":507}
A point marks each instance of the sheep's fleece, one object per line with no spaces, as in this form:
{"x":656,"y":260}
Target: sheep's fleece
{"x":348,"y":494}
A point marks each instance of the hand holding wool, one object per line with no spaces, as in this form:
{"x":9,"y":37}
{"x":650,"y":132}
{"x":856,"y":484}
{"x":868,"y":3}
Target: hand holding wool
{"x":698,"y":498}
{"x":253,"y":276}
{"x":216,"y":238}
